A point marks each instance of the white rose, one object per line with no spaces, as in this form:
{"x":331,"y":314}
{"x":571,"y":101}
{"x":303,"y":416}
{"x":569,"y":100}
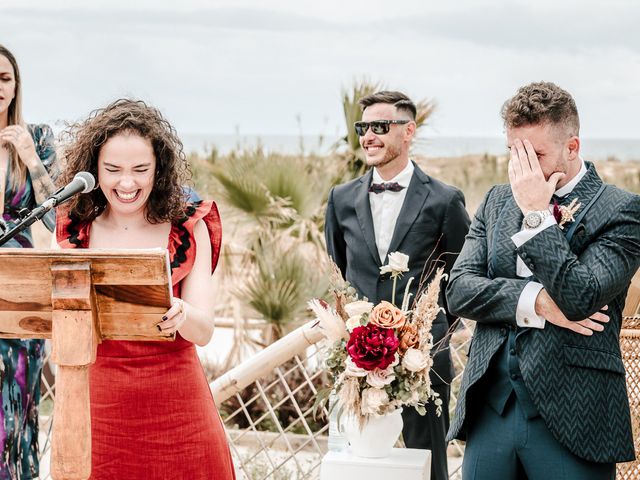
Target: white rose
{"x":378,"y":378}
{"x":352,"y":323}
{"x":352,"y":370}
{"x":372,"y":400}
{"x":397,"y":264}
{"x":414,"y":360}
{"x":356,"y":309}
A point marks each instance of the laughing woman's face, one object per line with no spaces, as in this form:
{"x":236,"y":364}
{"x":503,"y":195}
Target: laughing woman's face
{"x":126,"y":172}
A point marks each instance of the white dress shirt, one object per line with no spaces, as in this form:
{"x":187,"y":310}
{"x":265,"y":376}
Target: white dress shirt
{"x":526,"y":315}
{"x":385,"y":208}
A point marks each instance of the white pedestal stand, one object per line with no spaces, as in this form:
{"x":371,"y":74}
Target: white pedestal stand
{"x":403,"y":463}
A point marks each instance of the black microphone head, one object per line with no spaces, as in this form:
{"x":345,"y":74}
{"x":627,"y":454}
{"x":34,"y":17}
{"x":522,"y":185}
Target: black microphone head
{"x":88,"y":179}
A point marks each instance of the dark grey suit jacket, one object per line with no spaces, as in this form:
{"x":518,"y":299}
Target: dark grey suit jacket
{"x":431,"y":225}
{"x":576,"y":382}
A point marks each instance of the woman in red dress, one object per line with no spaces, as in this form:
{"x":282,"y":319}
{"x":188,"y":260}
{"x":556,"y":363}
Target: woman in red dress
{"x":152,"y":413}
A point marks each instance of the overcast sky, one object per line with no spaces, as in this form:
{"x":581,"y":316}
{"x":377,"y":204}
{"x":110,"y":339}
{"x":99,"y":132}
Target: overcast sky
{"x":256,"y":66}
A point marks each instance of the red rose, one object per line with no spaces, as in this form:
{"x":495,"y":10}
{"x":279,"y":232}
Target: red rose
{"x":372,"y":347}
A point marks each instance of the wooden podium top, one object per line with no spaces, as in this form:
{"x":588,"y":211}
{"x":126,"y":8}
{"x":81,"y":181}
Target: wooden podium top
{"x":132,"y":290}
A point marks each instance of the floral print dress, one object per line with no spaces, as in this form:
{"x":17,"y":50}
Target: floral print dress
{"x":22,"y":360}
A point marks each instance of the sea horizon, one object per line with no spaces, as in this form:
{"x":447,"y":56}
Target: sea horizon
{"x":623,"y":149}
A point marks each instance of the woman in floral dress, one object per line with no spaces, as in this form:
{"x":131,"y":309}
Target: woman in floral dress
{"x":27,"y":173}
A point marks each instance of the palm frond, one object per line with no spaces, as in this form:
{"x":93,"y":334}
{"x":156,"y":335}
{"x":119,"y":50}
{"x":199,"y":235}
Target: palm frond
{"x":282,"y":191}
{"x":241,"y":188}
{"x":352,"y":114}
{"x":281,"y":283}
{"x":425,"y":109}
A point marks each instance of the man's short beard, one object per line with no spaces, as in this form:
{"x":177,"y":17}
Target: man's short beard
{"x":390,"y":155}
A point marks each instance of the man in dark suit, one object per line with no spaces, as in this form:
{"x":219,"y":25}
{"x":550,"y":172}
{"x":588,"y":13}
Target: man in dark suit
{"x":397,"y":207}
{"x":543,"y":394}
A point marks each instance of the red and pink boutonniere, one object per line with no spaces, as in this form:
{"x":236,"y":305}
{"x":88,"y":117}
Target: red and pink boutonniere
{"x":564,"y":214}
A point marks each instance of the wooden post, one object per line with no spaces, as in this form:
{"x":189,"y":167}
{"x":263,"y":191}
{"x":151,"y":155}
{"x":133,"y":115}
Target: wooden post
{"x":74,"y":344}
{"x":263,"y":362}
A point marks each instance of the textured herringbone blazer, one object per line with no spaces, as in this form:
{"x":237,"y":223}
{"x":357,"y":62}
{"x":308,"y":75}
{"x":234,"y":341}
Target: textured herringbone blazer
{"x":576,"y":382}
{"x":431,"y":226}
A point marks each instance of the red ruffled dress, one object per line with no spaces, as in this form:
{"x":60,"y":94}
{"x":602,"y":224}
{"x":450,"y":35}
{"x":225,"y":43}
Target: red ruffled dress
{"x":152,"y":412}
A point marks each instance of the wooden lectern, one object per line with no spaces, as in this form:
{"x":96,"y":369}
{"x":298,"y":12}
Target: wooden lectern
{"x":76,"y":298}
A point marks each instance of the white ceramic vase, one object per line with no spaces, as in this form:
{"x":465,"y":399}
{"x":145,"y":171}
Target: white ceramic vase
{"x":377,"y":437}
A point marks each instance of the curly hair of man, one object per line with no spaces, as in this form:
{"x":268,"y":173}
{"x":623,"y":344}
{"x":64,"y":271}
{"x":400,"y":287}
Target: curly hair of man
{"x":542,"y":103}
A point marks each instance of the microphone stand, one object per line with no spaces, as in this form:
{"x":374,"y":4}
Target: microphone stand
{"x":27,"y":219}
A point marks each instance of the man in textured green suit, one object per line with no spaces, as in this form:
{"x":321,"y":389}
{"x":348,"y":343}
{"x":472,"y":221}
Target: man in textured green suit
{"x":544,"y":273}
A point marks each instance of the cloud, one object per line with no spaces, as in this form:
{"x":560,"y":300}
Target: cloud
{"x":506,"y":25}
{"x":534,"y":27}
{"x":246,"y":65}
{"x":158,"y":20}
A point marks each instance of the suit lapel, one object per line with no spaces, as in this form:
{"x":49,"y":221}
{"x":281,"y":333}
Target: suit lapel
{"x":363,"y":211}
{"x":585,"y":193}
{"x":417,"y":194}
{"x":586,"y":188}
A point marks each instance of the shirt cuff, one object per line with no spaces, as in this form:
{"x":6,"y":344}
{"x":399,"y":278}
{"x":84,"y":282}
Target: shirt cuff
{"x":526,"y":315}
{"x":527,"y":234}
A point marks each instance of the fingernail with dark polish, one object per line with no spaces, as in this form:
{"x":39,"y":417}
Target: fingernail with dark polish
{"x":164,"y":318}
{"x":158,"y":327}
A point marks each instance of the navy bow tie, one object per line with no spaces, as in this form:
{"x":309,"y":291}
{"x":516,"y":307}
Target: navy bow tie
{"x":382,"y":187}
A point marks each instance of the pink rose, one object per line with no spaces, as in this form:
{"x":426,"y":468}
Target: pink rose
{"x":387,"y":315}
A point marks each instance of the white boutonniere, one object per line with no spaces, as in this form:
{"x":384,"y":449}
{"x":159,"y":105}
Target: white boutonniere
{"x":564,"y":214}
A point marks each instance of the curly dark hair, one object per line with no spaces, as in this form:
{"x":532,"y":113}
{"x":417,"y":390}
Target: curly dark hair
{"x":539,"y":103}
{"x":167,"y":202}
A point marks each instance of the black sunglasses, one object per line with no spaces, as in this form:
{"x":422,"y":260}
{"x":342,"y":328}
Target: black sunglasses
{"x":379,"y":127}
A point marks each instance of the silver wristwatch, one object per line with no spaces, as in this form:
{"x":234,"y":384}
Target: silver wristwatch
{"x":534,"y":219}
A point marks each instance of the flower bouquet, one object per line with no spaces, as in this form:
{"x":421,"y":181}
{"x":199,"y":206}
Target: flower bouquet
{"x":380,"y":355}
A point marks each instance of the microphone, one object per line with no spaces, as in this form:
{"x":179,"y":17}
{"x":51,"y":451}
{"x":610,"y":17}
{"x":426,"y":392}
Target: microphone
{"x":83,"y":182}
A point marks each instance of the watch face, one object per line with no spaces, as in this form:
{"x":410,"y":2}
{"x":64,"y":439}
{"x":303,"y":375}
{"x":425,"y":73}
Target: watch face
{"x":533,"y":220}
